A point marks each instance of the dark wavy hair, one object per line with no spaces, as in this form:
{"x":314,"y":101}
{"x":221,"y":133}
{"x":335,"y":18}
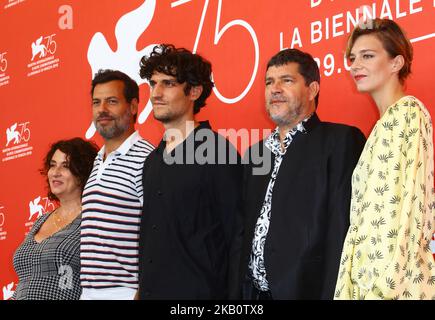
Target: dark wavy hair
{"x":131,"y":89}
{"x":307,"y":66}
{"x":182,"y":64}
{"x":80,"y":155}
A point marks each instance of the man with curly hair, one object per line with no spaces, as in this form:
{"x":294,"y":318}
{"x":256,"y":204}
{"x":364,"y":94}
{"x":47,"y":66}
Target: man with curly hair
{"x":191,"y":185}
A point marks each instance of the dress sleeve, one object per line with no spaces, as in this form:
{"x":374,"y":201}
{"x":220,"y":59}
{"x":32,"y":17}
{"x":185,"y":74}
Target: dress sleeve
{"x":405,"y":222}
{"x":386,"y":253}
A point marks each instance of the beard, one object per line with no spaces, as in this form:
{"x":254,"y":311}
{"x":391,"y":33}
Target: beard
{"x":291,"y":113}
{"x":119,"y":126}
{"x":163,"y":117}
{"x":167,"y":115}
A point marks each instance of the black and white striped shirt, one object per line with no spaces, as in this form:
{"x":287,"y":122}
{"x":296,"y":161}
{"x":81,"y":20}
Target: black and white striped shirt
{"x":111,"y":210}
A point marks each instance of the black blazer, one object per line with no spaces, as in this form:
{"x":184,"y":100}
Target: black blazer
{"x":309,"y":215}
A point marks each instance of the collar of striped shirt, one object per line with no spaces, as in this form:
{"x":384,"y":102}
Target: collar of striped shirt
{"x":125,"y":146}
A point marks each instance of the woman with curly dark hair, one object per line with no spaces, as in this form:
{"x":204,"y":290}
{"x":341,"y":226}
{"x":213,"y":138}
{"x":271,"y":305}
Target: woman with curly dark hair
{"x":48,"y":261}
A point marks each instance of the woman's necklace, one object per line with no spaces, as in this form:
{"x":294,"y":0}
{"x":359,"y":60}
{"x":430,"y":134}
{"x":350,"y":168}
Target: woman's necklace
{"x":58,"y":221}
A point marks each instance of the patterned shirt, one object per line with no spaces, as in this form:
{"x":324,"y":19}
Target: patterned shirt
{"x":256,"y":263}
{"x":49,"y":270}
{"x":386,"y":254}
{"x":112,"y":206}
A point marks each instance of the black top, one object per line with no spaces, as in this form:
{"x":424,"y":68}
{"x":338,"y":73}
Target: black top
{"x":188,"y":218}
{"x":309,"y":214}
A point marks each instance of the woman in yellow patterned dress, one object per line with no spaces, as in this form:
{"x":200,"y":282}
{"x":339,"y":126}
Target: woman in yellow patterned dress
{"x":386,"y":253}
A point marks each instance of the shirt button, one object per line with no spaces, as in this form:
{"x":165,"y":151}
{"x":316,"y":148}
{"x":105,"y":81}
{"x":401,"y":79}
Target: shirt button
{"x":159,"y":193}
{"x":154,"y":227}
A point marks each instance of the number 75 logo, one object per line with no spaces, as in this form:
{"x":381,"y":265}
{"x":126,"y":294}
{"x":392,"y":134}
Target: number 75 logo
{"x":22,"y":134}
{"x":41,"y":49}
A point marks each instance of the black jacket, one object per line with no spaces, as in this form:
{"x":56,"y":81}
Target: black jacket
{"x":309,"y":215}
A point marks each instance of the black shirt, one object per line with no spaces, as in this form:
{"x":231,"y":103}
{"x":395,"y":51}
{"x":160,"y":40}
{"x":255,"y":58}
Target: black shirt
{"x":191,"y":199}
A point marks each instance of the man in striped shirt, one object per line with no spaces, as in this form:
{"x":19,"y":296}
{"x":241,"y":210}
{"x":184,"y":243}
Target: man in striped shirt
{"x":112,"y":197}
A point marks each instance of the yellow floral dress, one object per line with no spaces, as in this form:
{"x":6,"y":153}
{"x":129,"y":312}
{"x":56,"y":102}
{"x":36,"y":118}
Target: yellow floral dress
{"x":386,"y":253}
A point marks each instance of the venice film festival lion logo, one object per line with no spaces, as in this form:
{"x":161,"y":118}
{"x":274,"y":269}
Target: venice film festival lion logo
{"x":36,"y":206}
{"x":17,"y":136}
{"x":41,"y":49}
{"x":7,"y":291}
{"x":12,"y":135}
{"x":38,"y":49}
{"x":126,"y":59}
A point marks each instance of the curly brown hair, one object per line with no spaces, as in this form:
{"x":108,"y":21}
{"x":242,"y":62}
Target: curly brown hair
{"x":80,"y":155}
{"x":187,"y":67}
